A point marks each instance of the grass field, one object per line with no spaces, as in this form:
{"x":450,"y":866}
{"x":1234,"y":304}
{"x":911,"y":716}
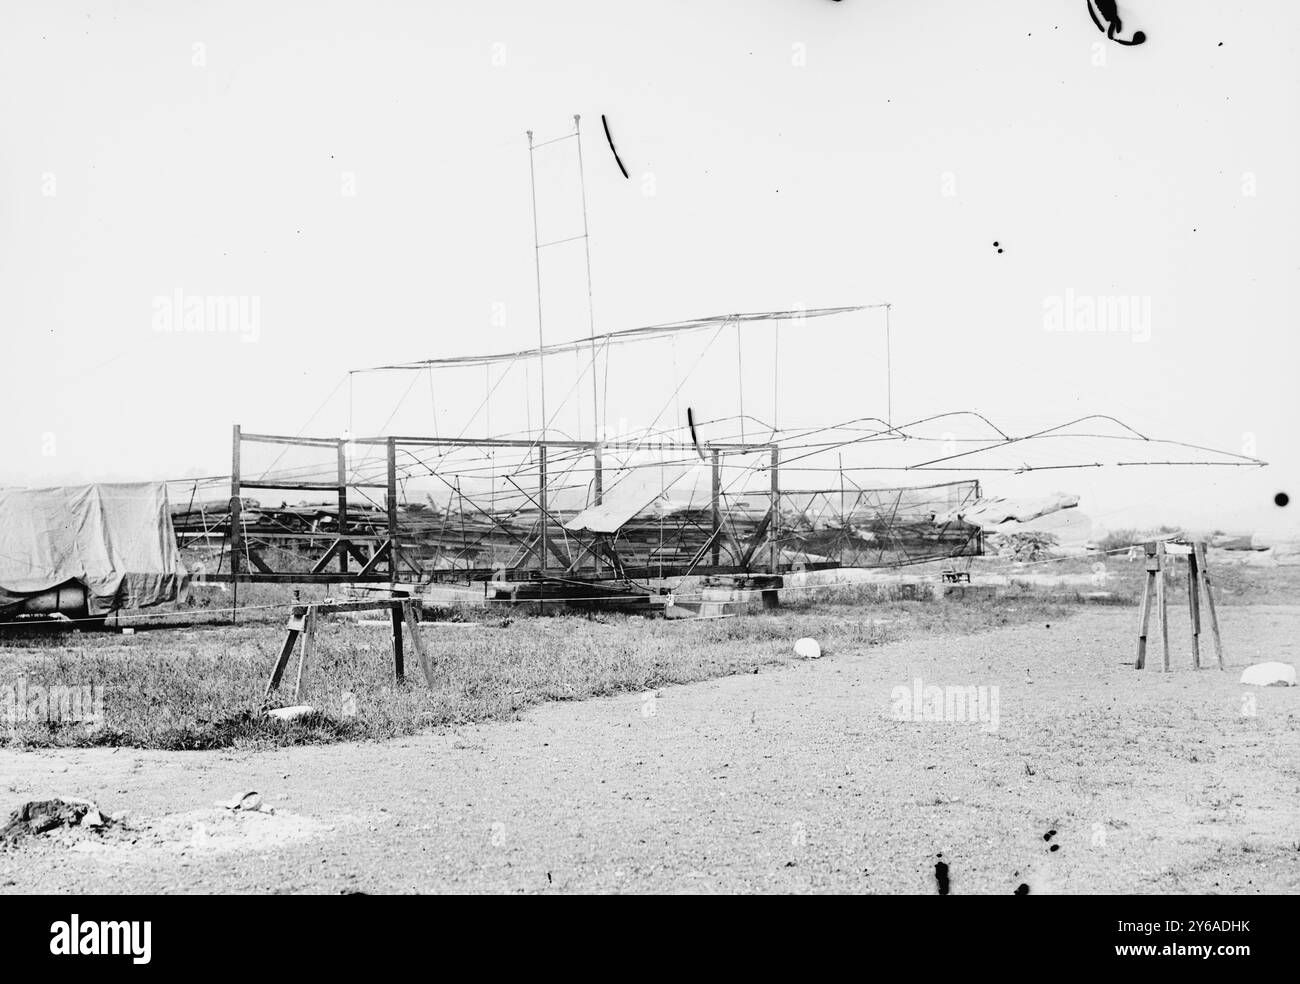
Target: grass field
{"x":200,"y":686}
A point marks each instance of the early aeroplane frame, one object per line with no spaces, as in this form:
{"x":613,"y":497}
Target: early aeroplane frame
{"x":535,"y":541}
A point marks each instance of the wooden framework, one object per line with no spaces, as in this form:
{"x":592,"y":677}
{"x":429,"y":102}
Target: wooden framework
{"x":1198,"y":575}
{"x":743,"y":530}
{"x":302,"y":626}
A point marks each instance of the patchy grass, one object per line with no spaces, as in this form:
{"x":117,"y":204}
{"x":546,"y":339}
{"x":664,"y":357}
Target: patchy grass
{"x":201,"y":687}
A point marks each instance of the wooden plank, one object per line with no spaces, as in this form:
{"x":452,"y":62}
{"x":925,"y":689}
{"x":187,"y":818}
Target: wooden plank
{"x":311,"y":442}
{"x":294,"y":486}
{"x":555,"y":551}
{"x":325,"y":559}
{"x":305,"y":652}
{"x":233,"y":507}
{"x":399,"y":663}
{"x":1194,"y":608}
{"x":1209,"y":603}
{"x":598,"y":489}
{"x":393,"y":549}
{"x":368,"y":605}
{"x":774,"y":559}
{"x":715,"y":502}
{"x":384,"y":549}
{"x":256,"y":560}
{"x":302,"y":577}
{"x":286,"y":650}
{"x":1162,"y":603}
{"x":342,"y":463}
{"x":411,"y":616}
{"x":1146,"y":608}
{"x":1178,"y":549}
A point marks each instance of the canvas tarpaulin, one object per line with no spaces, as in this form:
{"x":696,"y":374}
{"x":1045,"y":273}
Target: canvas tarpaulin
{"x":115,"y":539}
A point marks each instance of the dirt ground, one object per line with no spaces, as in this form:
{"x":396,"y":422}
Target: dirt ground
{"x":1097,"y":778}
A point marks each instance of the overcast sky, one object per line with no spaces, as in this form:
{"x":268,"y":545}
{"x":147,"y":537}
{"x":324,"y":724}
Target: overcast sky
{"x":359,"y":170}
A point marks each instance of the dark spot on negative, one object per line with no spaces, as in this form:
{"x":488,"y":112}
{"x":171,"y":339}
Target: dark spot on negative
{"x":1281,"y":499}
{"x":1022,"y":889}
{"x":941,"y":876}
{"x":1055,"y":847}
{"x":1049,"y":835}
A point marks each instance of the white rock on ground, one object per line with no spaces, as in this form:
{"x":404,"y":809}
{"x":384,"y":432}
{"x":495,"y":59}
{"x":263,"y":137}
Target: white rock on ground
{"x":1272,"y":674}
{"x":289,"y":713}
{"x":807,"y":648}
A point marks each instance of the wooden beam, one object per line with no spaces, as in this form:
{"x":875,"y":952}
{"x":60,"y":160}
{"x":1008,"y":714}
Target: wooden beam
{"x":325,"y":559}
{"x":399,"y":665}
{"x":306,"y":652}
{"x":393,"y":548}
{"x":310,"y":442}
{"x":342,"y":460}
{"x":411,"y":616}
{"x":1162,"y":603}
{"x":1209,"y":603}
{"x":715,"y":503}
{"x":303,"y":577}
{"x":1152,"y":566}
{"x":235,"y":543}
{"x":598,"y":489}
{"x":382,"y":552}
{"x":295,"y":627}
{"x":300,"y":486}
{"x":774,"y":510}
{"x":256,"y":560}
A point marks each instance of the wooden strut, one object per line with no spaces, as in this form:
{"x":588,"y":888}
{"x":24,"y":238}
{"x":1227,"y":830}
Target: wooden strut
{"x":1194,"y":608}
{"x":1153,"y":571}
{"x":1198,"y":577}
{"x":1209,"y":603}
{"x":1162,"y":601}
{"x":303,"y":622}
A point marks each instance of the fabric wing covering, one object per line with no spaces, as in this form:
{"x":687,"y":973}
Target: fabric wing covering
{"x":636,"y":491}
{"x":994,"y":511}
{"x":117,"y":540}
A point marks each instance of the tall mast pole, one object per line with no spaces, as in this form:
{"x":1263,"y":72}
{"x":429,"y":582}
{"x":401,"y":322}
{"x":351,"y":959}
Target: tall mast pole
{"x":889,"y":373}
{"x":597,"y":422}
{"x":537,"y":266}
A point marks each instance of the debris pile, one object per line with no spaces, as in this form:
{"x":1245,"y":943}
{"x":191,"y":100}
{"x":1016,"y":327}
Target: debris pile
{"x":38,"y":817}
{"x":1025,"y":546}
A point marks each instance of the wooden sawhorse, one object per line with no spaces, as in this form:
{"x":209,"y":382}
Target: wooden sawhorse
{"x":303,"y":623}
{"x":1198,"y":574}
